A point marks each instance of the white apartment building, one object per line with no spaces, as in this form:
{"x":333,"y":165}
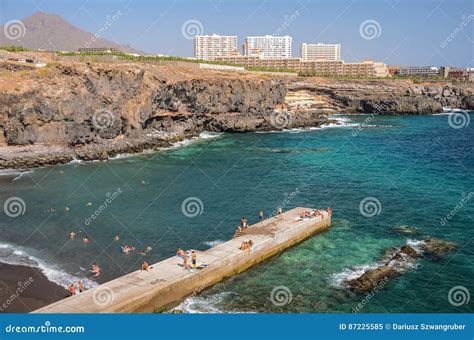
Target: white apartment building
{"x":268,"y":47}
{"x":208,"y":47}
{"x":320,"y":52}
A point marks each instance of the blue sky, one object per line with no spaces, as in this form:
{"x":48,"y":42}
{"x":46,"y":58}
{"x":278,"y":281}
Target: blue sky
{"x":404,"y":32}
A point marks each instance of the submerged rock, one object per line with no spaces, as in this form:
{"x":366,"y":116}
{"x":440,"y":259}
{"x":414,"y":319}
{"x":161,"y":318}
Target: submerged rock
{"x":437,"y":247}
{"x":405,"y":230}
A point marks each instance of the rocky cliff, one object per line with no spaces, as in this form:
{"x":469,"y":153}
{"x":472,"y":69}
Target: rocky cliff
{"x":97,"y":110}
{"x":386,"y":97}
{"x":93,"y":111}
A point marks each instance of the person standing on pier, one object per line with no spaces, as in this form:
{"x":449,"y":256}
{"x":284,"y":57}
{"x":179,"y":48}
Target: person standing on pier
{"x":194,"y":259}
{"x":260,"y":215}
{"x":280,"y":213}
{"x":185,"y":261}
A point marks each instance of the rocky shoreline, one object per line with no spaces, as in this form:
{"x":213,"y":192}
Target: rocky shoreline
{"x":94,"y":111}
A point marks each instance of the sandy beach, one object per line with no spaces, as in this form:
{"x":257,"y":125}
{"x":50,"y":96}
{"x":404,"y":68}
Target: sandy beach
{"x":24,"y":289}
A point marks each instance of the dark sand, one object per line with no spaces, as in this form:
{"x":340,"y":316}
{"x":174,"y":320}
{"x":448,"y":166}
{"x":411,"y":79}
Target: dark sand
{"x":36,"y":292}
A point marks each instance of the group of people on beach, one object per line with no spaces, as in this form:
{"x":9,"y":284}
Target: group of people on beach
{"x":80,"y":287}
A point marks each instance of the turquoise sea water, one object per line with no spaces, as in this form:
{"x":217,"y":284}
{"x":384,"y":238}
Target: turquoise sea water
{"x":419,"y":168}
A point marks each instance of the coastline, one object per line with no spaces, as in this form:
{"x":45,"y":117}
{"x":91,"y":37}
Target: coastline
{"x":24,"y":289}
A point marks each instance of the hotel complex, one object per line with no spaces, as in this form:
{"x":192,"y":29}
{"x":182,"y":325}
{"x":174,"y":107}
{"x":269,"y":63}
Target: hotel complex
{"x":208,"y":47}
{"x":320,"y":51}
{"x":275,"y":52}
{"x":268,"y":46}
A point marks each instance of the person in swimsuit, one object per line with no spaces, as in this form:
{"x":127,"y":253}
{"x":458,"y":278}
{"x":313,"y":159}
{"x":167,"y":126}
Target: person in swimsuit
{"x":85,"y":240}
{"x":185,"y":262}
{"x":193,"y":259}
{"x":146,"y":266}
{"x":180,"y":253}
{"x":95,"y":269}
{"x":280,"y":213}
{"x":72,"y":289}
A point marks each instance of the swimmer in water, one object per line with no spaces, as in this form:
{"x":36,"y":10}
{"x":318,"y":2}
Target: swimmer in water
{"x":72,"y":234}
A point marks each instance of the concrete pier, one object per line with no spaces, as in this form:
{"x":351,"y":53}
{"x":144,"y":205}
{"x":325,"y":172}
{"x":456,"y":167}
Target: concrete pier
{"x":167,"y":283}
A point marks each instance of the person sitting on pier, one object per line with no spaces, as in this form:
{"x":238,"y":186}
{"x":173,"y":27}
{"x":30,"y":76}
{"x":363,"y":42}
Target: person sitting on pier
{"x":146,"y":266}
{"x":246,"y":245}
{"x":243,"y":223}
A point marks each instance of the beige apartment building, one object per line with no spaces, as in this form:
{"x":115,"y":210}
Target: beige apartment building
{"x":209,"y":47}
{"x":328,"y":68}
{"x":320,"y":51}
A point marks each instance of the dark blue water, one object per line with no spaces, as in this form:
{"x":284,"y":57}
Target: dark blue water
{"x":416,"y":168}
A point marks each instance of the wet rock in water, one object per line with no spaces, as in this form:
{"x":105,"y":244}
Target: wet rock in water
{"x":437,"y":247}
{"x":396,"y":263}
{"x":406,"y":230}
{"x":409,"y":251}
{"x":372,"y":278}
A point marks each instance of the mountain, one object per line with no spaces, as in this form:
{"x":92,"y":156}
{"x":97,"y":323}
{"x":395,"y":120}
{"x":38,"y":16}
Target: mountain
{"x":51,"y":32}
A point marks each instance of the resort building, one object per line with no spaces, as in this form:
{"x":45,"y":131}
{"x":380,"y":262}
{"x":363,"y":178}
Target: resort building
{"x":320,"y":51}
{"x":423,"y":71}
{"x":329,"y":68}
{"x":208,"y":47}
{"x":268,"y":47}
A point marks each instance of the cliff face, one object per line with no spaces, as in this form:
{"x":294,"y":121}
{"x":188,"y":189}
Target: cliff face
{"x":390,"y":97}
{"x":80,"y":105}
{"x":94,"y":111}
